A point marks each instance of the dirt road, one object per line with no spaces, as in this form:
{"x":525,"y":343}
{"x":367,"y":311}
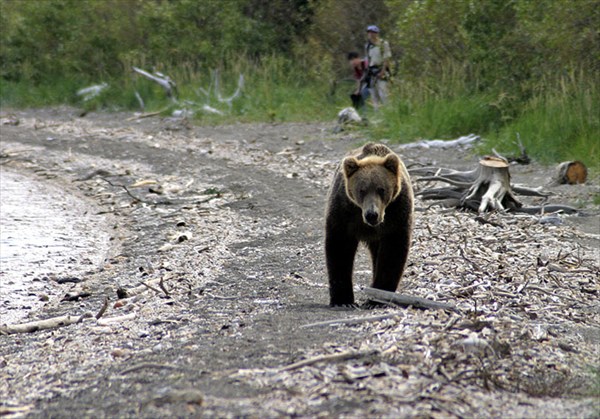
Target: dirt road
{"x":216,"y":287}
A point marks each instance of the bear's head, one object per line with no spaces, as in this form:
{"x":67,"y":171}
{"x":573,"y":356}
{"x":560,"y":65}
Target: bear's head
{"x":372,"y":183}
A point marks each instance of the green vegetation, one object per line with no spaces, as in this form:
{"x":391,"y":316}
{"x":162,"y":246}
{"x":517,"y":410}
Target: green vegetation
{"x":503,"y":69}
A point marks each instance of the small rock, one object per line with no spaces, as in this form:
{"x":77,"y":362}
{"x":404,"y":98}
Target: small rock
{"x":553,"y":219}
{"x":121,"y":293}
{"x":190,"y":396}
{"x":119,"y":353}
{"x":166,"y":247}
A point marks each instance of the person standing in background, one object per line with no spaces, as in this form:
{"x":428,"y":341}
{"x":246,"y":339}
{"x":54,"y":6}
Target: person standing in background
{"x":378,"y":55}
{"x":359,"y":68}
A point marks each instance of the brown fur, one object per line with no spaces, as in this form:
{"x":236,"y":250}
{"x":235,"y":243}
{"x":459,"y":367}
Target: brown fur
{"x":370,"y":201}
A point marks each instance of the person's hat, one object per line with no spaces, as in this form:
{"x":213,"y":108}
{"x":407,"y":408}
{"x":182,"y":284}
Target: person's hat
{"x":373,"y":28}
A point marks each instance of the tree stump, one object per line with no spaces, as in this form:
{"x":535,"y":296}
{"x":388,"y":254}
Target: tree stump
{"x":571,"y":173}
{"x":491,"y":189}
{"x":485,"y":188}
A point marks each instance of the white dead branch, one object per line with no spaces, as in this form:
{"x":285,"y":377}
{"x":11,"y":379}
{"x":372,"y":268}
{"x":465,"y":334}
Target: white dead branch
{"x":464,"y":141}
{"x":191,"y":107}
{"x":164,"y":81}
{"x":34,"y":326}
{"x":341,"y":356}
{"x":238,"y":91}
{"x":91,"y":92}
{"x":115,"y":320}
{"x":209,"y":109}
{"x":214,"y":87}
{"x":140,"y":100}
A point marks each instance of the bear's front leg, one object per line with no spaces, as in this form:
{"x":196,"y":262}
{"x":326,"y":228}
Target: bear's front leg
{"x":392,"y":253}
{"x":339,"y":253}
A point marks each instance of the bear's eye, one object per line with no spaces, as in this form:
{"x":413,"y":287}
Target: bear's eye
{"x":381,"y":192}
{"x":362,"y":193}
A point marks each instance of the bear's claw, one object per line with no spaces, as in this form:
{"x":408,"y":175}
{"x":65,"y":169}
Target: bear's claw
{"x":370,"y":305}
{"x":340,"y":307}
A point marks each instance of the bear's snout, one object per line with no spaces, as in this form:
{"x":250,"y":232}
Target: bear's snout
{"x":371,"y":217}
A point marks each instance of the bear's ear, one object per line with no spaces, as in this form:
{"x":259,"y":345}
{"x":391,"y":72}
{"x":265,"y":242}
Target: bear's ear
{"x":392,"y":163}
{"x":349,"y":166}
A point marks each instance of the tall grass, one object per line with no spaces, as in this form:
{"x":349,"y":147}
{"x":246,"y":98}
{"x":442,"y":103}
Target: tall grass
{"x":444,"y":106}
{"x":559,"y":120}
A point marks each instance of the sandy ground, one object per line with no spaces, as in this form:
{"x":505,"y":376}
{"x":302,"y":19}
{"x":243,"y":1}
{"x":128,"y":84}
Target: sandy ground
{"x":215,"y":282}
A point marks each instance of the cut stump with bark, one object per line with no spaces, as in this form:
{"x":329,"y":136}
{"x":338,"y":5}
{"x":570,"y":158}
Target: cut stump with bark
{"x":492,"y":187}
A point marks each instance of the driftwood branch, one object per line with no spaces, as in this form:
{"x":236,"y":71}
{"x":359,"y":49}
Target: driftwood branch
{"x":467,"y":140}
{"x":145,"y":115}
{"x":164,"y":81}
{"x":342,"y":356}
{"x":215,"y":86}
{"x":443,"y":179}
{"x":146,"y":365}
{"x":526,"y":191}
{"x":484,"y":189}
{"x":235,"y":95}
{"x":91,"y":92}
{"x":387,"y":297}
{"x":156,"y":290}
{"x":353,"y":320}
{"x":456,"y":175}
{"x":102,"y":309}
{"x":45,"y":324}
{"x":117,"y":319}
{"x":544,"y":209}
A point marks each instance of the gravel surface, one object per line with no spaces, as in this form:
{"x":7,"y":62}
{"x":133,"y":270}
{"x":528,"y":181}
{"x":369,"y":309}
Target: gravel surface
{"x":215,"y":292}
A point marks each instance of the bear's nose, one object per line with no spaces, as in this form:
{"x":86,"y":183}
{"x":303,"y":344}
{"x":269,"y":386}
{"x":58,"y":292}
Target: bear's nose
{"x":371,"y":217}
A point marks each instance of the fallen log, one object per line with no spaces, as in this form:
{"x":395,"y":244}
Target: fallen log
{"x":387,"y":297}
{"x":571,"y":173}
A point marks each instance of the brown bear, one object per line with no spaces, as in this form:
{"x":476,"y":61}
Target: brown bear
{"x":370,"y":201}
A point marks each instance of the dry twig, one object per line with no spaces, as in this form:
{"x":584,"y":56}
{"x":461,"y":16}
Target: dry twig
{"x":102,"y":309}
{"x":34,"y":326}
{"x":353,"y":320}
{"x":149,"y":365}
{"x":342,"y":356}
